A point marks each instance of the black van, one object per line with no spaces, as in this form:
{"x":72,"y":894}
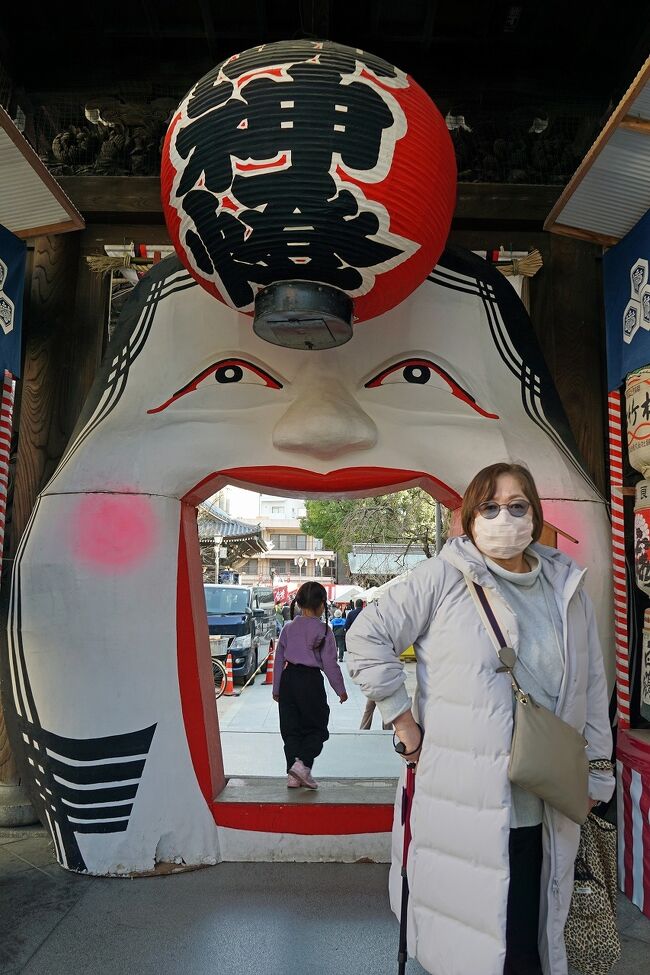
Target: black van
{"x":234,"y":624}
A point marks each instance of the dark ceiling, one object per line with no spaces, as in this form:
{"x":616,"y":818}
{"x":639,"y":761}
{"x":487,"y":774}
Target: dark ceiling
{"x":525,"y":86}
{"x":463,"y":48}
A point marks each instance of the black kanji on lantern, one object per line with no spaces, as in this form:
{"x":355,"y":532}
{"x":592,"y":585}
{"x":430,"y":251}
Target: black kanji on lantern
{"x":259,"y":153}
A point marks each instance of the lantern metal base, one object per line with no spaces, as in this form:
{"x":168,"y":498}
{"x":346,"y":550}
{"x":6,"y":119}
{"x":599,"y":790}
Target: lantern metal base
{"x":303,"y":315}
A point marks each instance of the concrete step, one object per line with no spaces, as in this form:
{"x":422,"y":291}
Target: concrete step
{"x":331,"y":791}
{"x":344,"y":819}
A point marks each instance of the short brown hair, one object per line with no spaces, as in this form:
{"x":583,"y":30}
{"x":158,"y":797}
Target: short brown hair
{"x":483,"y":485}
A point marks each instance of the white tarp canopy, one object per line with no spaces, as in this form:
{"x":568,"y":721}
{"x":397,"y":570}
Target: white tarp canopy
{"x":343,"y":594}
{"x":371,"y":594}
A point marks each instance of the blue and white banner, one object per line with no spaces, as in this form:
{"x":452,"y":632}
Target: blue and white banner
{"x":13,"y":251}
{"x":627,"y":303}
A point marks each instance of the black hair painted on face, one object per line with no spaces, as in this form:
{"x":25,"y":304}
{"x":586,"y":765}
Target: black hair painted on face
{"x":312,"y":595}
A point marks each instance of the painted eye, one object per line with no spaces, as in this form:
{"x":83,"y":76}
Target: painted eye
{"x":237,"y":371}
{"x":420,"y":375}
{"x":419,"y":372}
{"x":229,"y":374}
{"x":225,"y":372}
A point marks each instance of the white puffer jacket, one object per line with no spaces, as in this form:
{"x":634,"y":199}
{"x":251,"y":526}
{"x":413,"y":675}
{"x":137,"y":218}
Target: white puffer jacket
{"x":458,"y":861}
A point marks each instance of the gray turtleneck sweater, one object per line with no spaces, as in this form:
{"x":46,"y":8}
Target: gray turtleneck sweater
{"x":540,"y":660}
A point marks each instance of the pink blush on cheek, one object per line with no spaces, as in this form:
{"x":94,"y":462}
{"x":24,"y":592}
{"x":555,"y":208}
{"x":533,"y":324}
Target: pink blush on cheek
{"x":113,"y":532}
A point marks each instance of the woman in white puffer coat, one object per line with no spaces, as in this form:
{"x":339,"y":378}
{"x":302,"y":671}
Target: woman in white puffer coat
{"x":490,"y":866}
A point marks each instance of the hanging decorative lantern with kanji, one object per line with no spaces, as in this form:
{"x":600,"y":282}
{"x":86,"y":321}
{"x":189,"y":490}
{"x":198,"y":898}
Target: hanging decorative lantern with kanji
{"x":310,"y":184}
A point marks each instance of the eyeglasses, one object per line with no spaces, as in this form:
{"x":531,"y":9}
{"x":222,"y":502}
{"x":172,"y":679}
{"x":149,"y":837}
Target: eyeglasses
{"x":490,"y":509}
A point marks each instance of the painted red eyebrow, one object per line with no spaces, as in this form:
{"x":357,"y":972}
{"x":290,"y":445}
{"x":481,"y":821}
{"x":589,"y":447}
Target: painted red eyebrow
{"x":221,"y":364}
{"x":455,"y":389}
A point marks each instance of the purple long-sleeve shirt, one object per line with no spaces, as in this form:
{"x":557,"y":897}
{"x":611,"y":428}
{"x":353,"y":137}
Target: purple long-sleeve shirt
{"x":298,"y":645}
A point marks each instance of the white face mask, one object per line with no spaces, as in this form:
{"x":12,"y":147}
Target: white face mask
{"x":503,"y":537}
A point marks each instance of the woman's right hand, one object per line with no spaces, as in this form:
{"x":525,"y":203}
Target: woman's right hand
{"x":408,"y":732}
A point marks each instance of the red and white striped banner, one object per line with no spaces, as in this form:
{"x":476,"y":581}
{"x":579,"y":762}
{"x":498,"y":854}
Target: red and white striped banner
{"x":618,"y":560}
{"x":633,"y":797}
{"x":6,"y":413}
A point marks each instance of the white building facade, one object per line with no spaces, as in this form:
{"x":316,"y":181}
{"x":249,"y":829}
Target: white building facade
{"x":293,"y":556}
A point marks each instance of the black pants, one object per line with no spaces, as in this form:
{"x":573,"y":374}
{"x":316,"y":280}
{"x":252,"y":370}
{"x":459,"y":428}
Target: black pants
{"x":304,"y":713}
{"x":340,"y":643}
{"x":525,"y":849}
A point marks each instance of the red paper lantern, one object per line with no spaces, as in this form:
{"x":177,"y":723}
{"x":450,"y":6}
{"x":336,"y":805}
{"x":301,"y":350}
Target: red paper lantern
{"x":308,"y":161}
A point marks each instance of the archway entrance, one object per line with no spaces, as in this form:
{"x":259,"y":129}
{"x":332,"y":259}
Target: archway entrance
{"x":106,"y":634}
{"x":357,"y":770}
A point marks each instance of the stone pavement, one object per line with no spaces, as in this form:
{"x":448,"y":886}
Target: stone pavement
{"x":235,"y":918}
{"x":251,"y":742}
{"x":232,"y":919}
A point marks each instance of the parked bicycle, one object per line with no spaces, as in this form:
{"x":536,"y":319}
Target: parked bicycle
{"x":219,"y":677}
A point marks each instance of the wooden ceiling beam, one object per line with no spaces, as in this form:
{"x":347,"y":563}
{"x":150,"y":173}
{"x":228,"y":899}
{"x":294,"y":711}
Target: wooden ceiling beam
{"x":261,"y":16}
{"x":605,"y":240}
{"x":499,"y":205}
{"x":151,"y":17}
{"x":634,"y":123}
{"x":429,"y":23}
{"x":315,"y":17}
{"x":208,"y":24}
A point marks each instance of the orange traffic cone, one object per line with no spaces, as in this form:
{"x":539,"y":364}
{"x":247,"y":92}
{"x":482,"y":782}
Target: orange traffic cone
{"x":269,"y":664}
{"x":230,"y":684}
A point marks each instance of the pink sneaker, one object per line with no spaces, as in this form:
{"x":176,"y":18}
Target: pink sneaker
{"x":300,"y":771}
{"x":293,"y":782}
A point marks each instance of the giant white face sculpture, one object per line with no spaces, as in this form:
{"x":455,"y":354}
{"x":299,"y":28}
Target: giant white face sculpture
{"x":107,"y":635}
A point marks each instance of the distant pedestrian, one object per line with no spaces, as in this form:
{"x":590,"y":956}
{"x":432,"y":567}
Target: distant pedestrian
{"x":353,"y":613}
{"x":286,"y":612}
{"x":338,"y":626}
{"x":367,"y":716}
{"x":306,"y":648}
{"x":279,"y":622}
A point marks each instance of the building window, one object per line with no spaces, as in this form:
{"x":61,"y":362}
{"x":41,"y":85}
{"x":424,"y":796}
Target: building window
{"x":276,"y":510}
{"x":250,"y":568}
{"x":284,"y":543}
{"x":318,"y":544}
{"x":284,"y":567}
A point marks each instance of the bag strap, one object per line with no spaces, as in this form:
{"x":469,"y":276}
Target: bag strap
{"x":489,"y":612}
{"x":495,"y":633}
{"x":485,"y":611}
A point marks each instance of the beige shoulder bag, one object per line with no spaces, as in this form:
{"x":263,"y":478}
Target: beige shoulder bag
{"x":548,"y":756}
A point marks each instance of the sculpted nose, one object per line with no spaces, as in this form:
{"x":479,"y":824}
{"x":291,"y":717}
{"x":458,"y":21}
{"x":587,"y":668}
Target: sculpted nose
{"x":324,"y":420}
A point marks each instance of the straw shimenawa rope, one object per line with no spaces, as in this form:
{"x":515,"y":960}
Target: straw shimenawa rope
{"x":526,"y":266}
{"x":103,"y":265}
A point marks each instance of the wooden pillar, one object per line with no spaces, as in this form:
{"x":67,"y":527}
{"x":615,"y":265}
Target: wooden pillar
{"x":43,"y":430}
{"x":568,"y":318}
{"x":64,"y":329}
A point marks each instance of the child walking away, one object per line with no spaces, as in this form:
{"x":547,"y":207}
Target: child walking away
{"x":338,"y":628}
{"x":306,"y":648}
